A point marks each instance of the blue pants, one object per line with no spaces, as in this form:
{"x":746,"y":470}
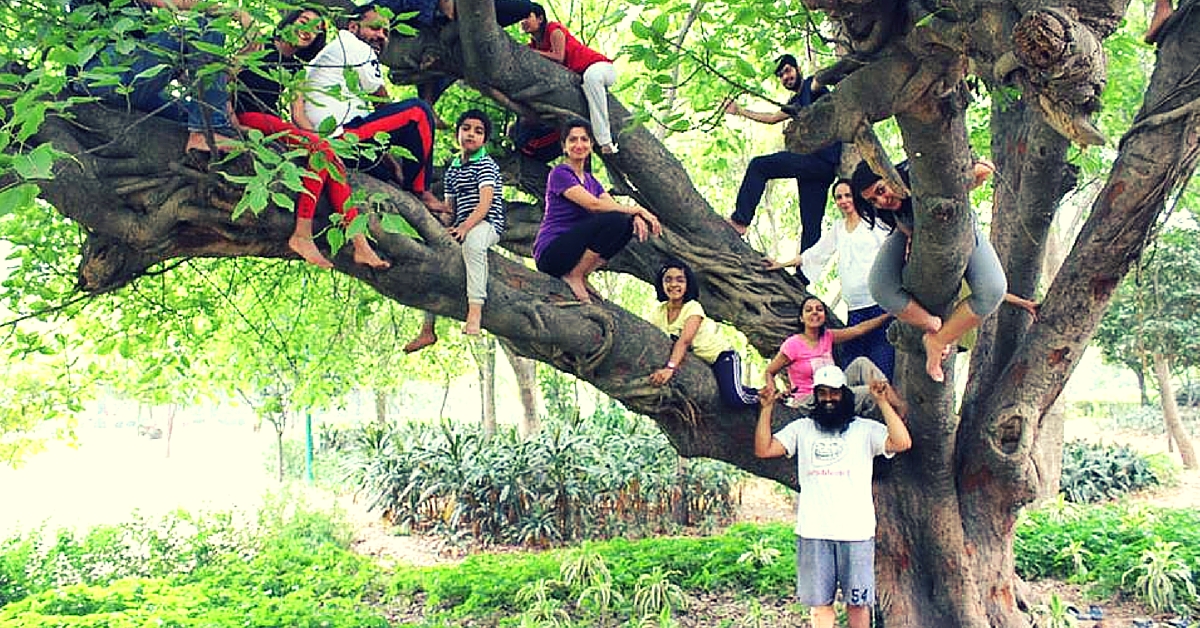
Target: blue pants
{"x":205,"y":106}
{"x":813,"y":177}
{"x":727,"y":368}
{"x":874,"y":346}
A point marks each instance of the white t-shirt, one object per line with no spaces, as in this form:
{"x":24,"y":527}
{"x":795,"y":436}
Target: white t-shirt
{"x":329,"y":94}
{"x":856,"y":253}
{"x":835,"y":502}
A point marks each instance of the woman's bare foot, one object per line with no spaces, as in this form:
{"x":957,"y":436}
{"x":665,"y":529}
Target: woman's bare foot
{"x":305,"y":248}
{"x":935,"y":352}
{"x":425,"y":339}
{"x":365,"y":255}
{"x":739,"y":228}
{"x":578,"y":287}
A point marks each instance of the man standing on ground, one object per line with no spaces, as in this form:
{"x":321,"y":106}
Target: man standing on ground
{"x":835,"y":514}
{"x":813,"y":172}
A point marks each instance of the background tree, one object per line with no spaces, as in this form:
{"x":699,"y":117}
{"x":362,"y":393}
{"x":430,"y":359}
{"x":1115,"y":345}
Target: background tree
{"x":947,"y":511}
{"x":1155,"y":319}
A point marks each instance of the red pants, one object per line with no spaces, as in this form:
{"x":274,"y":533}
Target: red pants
{"x":408,"y":123}
{"x":315,"y":181}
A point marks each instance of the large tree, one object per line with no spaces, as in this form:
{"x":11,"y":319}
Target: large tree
{"x":946,"y":509}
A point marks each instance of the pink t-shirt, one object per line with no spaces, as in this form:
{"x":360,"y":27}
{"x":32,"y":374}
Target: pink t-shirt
{"x":805,"y":360}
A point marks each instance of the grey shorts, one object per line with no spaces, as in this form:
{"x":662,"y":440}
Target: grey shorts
{"x":822,"y":566}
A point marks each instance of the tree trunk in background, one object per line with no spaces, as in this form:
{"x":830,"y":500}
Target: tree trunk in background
{"x":1141,"y":379}
{"x":381,"y":404}
{"x":525,"y":370}
{"x":170,"y":426}
{"x":1162,"y":371}
{"x":680,"y":510}
{"x":483,"y":349}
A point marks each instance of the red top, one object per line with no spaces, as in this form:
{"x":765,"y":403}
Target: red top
{"x":577,"y":57}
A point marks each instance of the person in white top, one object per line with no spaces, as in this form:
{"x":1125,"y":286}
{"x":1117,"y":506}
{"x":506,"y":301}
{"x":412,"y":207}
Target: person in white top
{"x":856,"y":242}
{"x":835,"y":514}
{"x":336,"y":105}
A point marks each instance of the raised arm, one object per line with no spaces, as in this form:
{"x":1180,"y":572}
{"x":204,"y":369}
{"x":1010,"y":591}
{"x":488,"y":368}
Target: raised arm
{"x":898,"y":438}
{"x":733,"y":108}
{"x":765,"y":443}
{"x":686,"y":335}
{"x":854,"y":331}
{"x":779,"y":363}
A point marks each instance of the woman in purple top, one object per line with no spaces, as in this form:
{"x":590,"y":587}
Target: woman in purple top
{"x":583,"y":226}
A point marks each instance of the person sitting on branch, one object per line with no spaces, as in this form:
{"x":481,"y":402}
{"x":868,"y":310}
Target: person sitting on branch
{"x":330,"y":95}
{"x":680,"y":315}
{"x":474,"y":189}
{"x":553,"y":41}
{"x":984,"y":274}
{"x":583,"y":226}
{"x":299,"y":36}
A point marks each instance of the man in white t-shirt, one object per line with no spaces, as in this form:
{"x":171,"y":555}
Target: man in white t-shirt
{"x":835,"y":514}
{"x":343,"y":88}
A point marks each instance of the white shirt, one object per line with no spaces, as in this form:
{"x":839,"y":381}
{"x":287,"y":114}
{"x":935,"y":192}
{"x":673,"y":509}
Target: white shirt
{"x":835,"y":502}
{"x":856,"y":252}
{"x":328,"y":94}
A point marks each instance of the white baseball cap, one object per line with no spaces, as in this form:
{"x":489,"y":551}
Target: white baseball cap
{"x":830,"y":376}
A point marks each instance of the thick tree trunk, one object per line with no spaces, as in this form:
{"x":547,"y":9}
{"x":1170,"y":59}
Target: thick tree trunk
{"x":1175,"y":429}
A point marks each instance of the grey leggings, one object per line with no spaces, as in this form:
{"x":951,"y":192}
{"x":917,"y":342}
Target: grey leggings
{"x":984,"y":275}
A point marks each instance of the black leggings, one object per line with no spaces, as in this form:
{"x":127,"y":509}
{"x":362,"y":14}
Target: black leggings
{"x":605,"y":234}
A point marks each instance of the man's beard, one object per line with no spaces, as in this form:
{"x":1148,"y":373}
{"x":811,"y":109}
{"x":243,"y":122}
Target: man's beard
{"x":834,"y":416}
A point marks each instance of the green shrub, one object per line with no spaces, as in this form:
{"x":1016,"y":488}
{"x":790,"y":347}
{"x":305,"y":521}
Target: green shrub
{"x":1102,"y":543}
{"x":294,"y":570}
{"x":485,"y":584}
{"x":175,"y":544}
{"x":617,"y":476}
{"x":1094,"y":472}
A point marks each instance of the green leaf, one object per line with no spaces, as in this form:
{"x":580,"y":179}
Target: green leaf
{"x":17,"y":197}
{"x":37,"y":163}
{"x":395,"y":223}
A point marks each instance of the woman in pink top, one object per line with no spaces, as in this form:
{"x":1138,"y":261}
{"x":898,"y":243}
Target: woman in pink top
{"x":553,"y":41}
{"x":803,"y":353}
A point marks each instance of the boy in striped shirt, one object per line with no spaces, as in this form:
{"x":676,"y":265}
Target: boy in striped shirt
{"x":473,"y":190}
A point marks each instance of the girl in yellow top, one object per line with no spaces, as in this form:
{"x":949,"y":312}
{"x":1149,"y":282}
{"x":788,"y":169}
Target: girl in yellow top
{"x":682,"y":317}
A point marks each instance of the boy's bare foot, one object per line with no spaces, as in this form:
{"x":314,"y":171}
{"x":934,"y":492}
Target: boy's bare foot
{"x":935,"y":352}
{"x":305,"y":248}
{"x":740,"y":229}
{"x":474,"y":317}
{"x":365,"y":255}
{"x":420,"y":342}
{"x":579,"y":288}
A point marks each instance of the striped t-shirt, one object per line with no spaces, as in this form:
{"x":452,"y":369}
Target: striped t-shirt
{"x":463,"y":182}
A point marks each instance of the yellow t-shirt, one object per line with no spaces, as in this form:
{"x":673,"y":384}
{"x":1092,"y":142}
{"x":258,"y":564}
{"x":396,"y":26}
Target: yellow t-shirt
{"x":707,"y":344}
